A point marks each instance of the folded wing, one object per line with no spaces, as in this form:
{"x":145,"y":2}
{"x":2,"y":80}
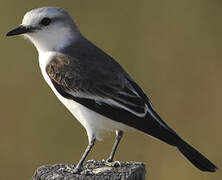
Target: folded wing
{"x":109,"y":92}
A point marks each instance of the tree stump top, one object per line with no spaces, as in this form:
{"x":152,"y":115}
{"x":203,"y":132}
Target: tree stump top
{"x":92,"y":170}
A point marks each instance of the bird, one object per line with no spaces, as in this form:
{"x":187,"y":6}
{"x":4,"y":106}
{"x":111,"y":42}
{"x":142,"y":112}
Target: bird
{"x":94,"y":87}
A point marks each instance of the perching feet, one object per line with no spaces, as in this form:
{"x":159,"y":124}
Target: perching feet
{"x":112,"y":163}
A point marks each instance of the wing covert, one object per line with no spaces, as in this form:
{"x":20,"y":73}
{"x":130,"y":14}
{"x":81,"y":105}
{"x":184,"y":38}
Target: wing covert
{"x":106,"y":92}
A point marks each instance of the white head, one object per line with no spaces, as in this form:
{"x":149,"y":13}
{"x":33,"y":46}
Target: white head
{"x":48,"y":28}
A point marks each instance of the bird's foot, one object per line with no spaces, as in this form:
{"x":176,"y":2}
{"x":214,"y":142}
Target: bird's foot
{"x":76,"y":170}
{"x":111,"y":163}
{"x":109,"y":160}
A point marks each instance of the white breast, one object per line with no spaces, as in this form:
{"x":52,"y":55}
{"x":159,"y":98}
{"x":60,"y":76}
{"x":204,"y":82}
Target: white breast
{"x":93,"y":122}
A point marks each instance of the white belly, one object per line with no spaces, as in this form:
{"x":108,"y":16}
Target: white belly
{"x":93,"y":122}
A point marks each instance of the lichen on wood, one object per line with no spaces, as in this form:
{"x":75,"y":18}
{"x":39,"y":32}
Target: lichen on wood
{"x":92,"y":170}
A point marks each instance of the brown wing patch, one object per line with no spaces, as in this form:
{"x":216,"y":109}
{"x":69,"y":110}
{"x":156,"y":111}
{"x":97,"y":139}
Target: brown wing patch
{"x":55,"y":69}
{"x":62,"y":70}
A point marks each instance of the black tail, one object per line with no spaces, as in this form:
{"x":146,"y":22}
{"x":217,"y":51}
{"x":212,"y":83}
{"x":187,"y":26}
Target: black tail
{"x":195,"y":157}
{"x":166,"y":134}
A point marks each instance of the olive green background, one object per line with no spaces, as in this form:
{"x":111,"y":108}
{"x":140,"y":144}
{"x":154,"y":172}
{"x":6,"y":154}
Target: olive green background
{"x":172,"y":48}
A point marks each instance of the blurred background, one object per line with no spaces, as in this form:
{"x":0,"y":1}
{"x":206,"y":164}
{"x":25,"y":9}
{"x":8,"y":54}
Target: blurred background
{"x":171,"y":48}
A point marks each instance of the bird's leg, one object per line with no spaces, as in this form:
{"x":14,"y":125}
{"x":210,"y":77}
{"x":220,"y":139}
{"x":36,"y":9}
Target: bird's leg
{"x":89,"y":147}
{"x":119,"y":135}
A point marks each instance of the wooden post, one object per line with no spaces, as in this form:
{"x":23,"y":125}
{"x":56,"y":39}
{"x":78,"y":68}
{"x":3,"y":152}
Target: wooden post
{"x":93,"y":170}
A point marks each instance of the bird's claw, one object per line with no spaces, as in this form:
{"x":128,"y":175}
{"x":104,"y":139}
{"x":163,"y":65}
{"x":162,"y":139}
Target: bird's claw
{"x":76,"y":170}
{"x":112,"y":163}
{"x":109,"y":160}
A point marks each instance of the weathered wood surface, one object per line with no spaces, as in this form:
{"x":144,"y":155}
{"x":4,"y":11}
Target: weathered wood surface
{"x":92,"y":170}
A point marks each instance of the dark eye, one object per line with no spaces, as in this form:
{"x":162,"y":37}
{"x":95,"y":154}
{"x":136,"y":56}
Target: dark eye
{"x":45,"y":21}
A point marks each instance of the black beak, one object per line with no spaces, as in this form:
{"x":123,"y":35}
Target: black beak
{"x":20,"y":30}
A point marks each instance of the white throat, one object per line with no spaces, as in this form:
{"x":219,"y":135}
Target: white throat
{"x":45,"y":41}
